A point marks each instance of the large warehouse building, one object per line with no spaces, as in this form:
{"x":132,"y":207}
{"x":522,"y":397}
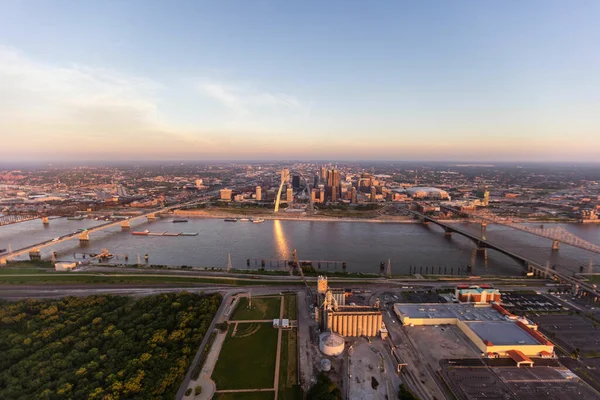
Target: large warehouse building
{"x":494,"y":330}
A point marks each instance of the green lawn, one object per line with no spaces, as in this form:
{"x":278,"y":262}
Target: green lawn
{"x":592,"y":278}
{"x":247,"y":360}
{"x":262,"y":308}
{"x":289,"y":309}
{"x":288,"y":368}
{"x":77,"y":277}
{"x":245,"y":396}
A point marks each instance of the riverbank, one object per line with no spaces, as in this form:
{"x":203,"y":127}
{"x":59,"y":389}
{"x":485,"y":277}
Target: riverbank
{"x":384,"y":219}
{"x":288,"y":217}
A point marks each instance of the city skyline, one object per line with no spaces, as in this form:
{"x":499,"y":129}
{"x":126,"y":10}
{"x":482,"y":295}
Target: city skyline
{"x":459,"y":81}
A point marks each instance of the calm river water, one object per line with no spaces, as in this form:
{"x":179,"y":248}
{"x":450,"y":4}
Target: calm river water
{"x":363,"y":245}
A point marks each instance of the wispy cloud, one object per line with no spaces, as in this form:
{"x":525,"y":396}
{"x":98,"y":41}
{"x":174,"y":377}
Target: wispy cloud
{"x":80,"y":107}
{"x":243,"y":99}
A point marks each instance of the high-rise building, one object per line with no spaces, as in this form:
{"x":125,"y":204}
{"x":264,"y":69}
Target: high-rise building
{"x":313,"y":195}
{"x":296,"y":182}
{"x":333,"y":178}
{"x":333,"y":184}
{"x":353,"y":198}
{"x":289,"y":194}
{"x":258,"y":193}
{"x":225,"y":194}
{"x":323,"y":175}
{"x":316,"y":180}
{"x":321,"y":193}
{"x":373,"y":194}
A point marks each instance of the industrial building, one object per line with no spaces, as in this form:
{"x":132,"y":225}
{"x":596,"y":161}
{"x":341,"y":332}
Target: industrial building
{"x":477,"y":294}
{"x":353,"y":321}
{"x":494,"y":330}
{"x":343,"y":319}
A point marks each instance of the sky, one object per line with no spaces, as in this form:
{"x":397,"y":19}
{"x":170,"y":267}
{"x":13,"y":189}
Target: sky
{"x":340,"y":80}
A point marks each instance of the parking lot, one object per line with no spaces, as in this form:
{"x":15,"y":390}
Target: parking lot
{"x":527,"y":303}
{"x":571,"y":332}
{"x":420,"y":297}
{"x":544,"y":383}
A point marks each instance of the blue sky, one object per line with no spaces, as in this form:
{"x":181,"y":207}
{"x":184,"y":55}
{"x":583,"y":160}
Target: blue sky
{"x":394,"y":80}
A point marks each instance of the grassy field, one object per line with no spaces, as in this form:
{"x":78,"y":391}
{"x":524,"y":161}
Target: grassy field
{"x":262,"y":308}
{"x":289,"y":309}
{"x":288,"y":367}
{"x":7,"y":276}
{"x":245,"y":396}
{"x":247,"y":360}
{"x":593,"y":278}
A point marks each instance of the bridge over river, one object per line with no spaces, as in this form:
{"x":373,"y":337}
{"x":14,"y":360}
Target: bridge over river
{"x":531,"y":266}
{"x":85,"y":235}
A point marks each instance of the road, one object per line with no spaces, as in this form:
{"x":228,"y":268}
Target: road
{"x":420,"y":378}
{"x":278,"y":355}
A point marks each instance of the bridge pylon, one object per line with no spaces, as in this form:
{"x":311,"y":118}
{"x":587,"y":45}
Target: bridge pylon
{"x":555,"y":245}
{"x":125,"y":225}
{"x":45,"y":221}
{"x":151,"y":217}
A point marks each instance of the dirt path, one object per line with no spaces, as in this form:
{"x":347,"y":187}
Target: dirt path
{"x":278,"y":356}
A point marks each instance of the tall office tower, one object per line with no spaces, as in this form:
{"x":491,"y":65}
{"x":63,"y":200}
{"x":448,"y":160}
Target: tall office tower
{"x":258,"y":193}
{"x":486,"y":198}
{"x":333,"y":178}
{"x":289,"y":194}
{"x":321,"y":193}
{"x":313,"y":195}
{"x":353,"y":198}
{"x":373,"y":194}
{"x":323,"y":175}
{"x":333,"y":184}
{"x":296,"y":182}
{"x":334,"y":195}
{"x":316,"y":180}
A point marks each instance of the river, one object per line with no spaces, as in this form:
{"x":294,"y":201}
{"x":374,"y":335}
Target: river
{"x":362,"y":245}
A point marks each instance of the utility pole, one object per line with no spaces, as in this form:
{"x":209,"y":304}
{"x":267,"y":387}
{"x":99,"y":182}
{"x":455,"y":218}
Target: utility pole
{"x":388,"y":273}
{"x":229,"y":262}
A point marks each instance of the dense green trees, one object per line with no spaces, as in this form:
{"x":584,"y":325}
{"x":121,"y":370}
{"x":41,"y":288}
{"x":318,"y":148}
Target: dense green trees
{"x":101,"y":347}
{"x":324,"y":389}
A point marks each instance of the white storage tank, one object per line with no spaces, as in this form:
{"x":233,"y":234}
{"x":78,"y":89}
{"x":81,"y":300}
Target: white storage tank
{"x":331,"y":344}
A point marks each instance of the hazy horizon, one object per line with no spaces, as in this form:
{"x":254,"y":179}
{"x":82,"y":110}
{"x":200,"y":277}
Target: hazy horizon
{"x":461,"y":81}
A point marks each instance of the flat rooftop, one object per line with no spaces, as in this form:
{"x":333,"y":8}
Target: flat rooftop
{"x":486,"y":322}
{"x":501,"y":333}
{"x":464,"y":312}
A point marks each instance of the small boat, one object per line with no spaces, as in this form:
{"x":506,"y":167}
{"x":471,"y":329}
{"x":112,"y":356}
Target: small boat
{"x":258,"y":220}
{"x":77,"y":218}
{"x":244,"y":219}
{"x":230,"y":219}
{"x":179,"y":220}
{"x":144,"y":233}
{"x":156,"y":233}
{"x":171,"y":234}
{"x":188,"y":234}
